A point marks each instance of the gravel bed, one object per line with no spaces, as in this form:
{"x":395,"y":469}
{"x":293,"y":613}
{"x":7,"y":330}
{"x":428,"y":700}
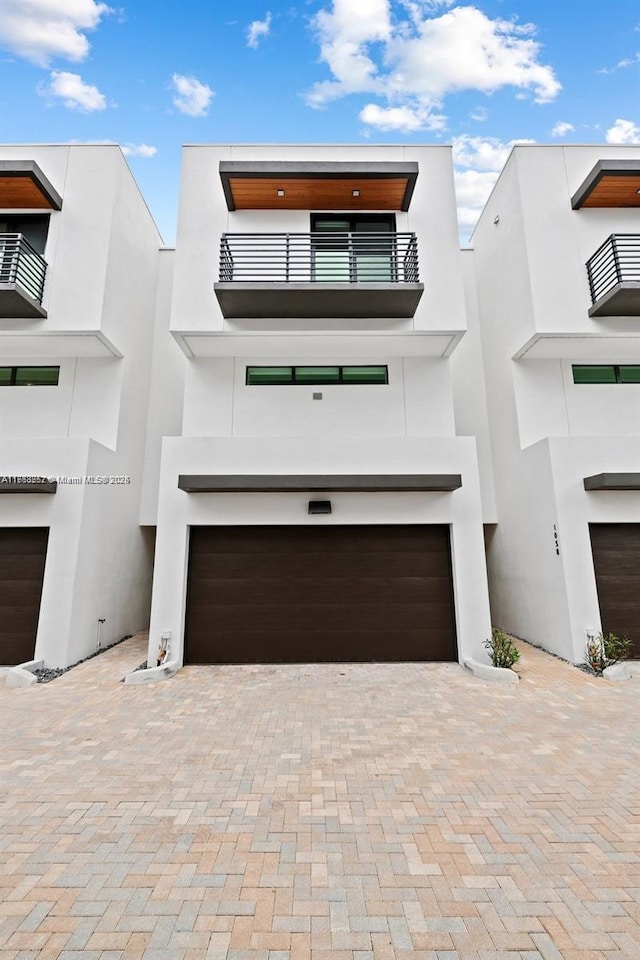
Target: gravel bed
{"x":47,"y":674}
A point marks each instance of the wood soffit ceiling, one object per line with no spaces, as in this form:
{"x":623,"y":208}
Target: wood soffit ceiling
{"x":610,"y":184}
{"x":281,"y":186}
{"x":23,"y":186}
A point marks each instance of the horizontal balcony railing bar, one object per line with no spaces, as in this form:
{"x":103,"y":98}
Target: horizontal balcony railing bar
{"x":321,"y":257}
{"x":21,"y":264}
{"x":617,"y":260}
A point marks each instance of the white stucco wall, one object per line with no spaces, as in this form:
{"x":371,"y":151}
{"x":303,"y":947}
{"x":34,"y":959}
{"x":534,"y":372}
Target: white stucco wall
{"x":460,"y":509}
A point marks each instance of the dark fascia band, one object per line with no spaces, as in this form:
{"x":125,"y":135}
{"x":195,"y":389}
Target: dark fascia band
{"x":317,"y":170}
{"x":604,"y":168}
{"x":27,"y":485}
{"x":29,"y":168}
{"x":613,"y":481}
{"x":276,"y":483}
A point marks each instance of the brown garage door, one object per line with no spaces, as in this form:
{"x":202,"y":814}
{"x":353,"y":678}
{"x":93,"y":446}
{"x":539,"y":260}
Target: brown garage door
{"x":616,"y":559}
{"x":309,"y":594}
{"x":22,"y":557}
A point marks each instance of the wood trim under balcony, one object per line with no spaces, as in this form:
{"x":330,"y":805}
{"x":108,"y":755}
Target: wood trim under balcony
{"x":304,"y":185}
{"x":23,"y":186}
{"x":611,"y":183}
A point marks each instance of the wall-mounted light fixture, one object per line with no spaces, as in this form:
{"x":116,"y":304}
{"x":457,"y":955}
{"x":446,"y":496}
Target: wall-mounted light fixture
{"x":319,"y":506}
{"x":280,"y":192}
{"x":355,"y":193}
{"x":496,"y":219}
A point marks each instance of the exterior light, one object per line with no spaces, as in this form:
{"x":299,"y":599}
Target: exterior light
{"x":280,"y":192}
{"x":496,"y":219}
{"x":356,"y":193}
{"x":319,"y":506}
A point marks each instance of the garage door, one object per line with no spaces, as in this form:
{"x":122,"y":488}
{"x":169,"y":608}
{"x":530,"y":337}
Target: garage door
{"x":616,"y":559}
{"x":22,"y":557}
{"x":310,"y":594}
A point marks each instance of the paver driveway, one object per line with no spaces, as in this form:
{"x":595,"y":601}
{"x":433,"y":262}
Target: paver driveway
{"x":342,"y":811}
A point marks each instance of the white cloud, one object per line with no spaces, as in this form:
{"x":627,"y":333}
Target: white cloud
{"x":257,"y":30}
{"x":562,"y":128}
{"x":41,"y":30}
{"x":621,"y":64}
{"x":407,"y":119}
{"x":421,"y":59}
{"x":138,"y":150}
{"x":480,"y":114}
{"x":623,"y":131}
{"x":74,"y":92}
{"x":191,"y":96}
{"x":484,"y":158}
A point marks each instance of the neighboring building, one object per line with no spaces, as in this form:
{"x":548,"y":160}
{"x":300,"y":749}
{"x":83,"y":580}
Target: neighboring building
{"x":319,"y":502}
{"x":78,"y":262}
{"x":557,"y":259}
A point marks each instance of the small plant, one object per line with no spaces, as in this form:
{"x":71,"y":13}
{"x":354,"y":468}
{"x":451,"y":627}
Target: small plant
{"x":502,"y":651}
{"x":605,"y":649}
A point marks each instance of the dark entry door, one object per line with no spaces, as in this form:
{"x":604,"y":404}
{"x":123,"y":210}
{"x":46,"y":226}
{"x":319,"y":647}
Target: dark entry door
{"x":616,"y":560}
{"x":312,"y":594}
{"x":23,"y":552}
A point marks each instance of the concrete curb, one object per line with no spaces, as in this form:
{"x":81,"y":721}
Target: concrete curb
{"x":625,"y":670}
{"x":152,"y":674}
{"x":23,"y":675}
{"x":484,"y":671}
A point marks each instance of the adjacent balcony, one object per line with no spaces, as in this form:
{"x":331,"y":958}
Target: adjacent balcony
{"x":614,"y":277}
{"x":22,"y":275}
{"x":319,"y":275}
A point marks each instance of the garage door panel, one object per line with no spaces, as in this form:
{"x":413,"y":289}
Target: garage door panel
{"x":332,"y":593}
{"x":348,"y":646}
{"x":616,"y":561}
{"x":334,"y":617}
{"x":318,"y":564}
{"x":22,"y":561}
{"x":311,"y":590}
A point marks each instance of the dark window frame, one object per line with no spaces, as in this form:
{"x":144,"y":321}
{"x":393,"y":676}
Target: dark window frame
{"x":616,"y":367}
{"x":24,"y":366}
{"x":340,"y":382}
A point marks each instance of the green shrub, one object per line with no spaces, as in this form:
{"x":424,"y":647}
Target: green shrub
{"x":605,"y":649}
{"x":501,"y":650}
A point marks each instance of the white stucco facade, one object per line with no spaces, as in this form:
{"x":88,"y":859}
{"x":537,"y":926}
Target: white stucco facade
{"x":101,"y":254}
{"x":407,"y":426}
{"x":548,"y":433}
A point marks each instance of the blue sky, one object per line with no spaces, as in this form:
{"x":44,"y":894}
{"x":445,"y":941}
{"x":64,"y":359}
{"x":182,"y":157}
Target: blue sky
{"x":154,"y":74}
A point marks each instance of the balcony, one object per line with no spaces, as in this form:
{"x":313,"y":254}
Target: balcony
{"x":614,"y":277}
{"x":22,"y":274}
{"x":318,"y":275}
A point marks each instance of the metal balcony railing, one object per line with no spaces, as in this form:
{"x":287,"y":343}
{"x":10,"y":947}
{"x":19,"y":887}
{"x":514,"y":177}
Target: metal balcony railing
{"x":21,"y":264}
{"x":319,"y":258}
{"x":616,"y":261}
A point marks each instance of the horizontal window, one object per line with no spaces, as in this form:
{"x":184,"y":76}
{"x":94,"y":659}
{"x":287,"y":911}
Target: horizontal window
{"x":29,"y":376}
{"x":605,"y":373}
{"x":316,"y":376}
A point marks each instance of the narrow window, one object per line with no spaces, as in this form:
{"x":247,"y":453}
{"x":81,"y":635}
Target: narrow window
{"x":316,"y":375}
{"x":630,"y":374}
{"x":29,"y":376}
{"x":594,"y":374}
{"x":259,"y":376}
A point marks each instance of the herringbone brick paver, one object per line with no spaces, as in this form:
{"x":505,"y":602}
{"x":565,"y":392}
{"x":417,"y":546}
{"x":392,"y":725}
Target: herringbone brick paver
{"x":347,"y":812}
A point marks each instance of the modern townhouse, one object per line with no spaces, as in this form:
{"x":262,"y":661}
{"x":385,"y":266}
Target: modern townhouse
{"x":78,"y":262}
{"x":557,"y":262}
{"x":320,"y":498}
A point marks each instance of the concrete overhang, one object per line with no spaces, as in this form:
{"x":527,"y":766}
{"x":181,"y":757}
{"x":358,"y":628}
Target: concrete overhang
{"x":317,"y":185}
{"x":53,"y":344}
{"x":27,"y":485}
{"x":611,"y":183}
{"x":589,"y":347}
{"x":313,"y":301}
{"x":613,"y":481}
{"x":315,"y":483}
{"x":285,"y":345}
{"x":623,"y":300}
{"x":23,"y":186}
